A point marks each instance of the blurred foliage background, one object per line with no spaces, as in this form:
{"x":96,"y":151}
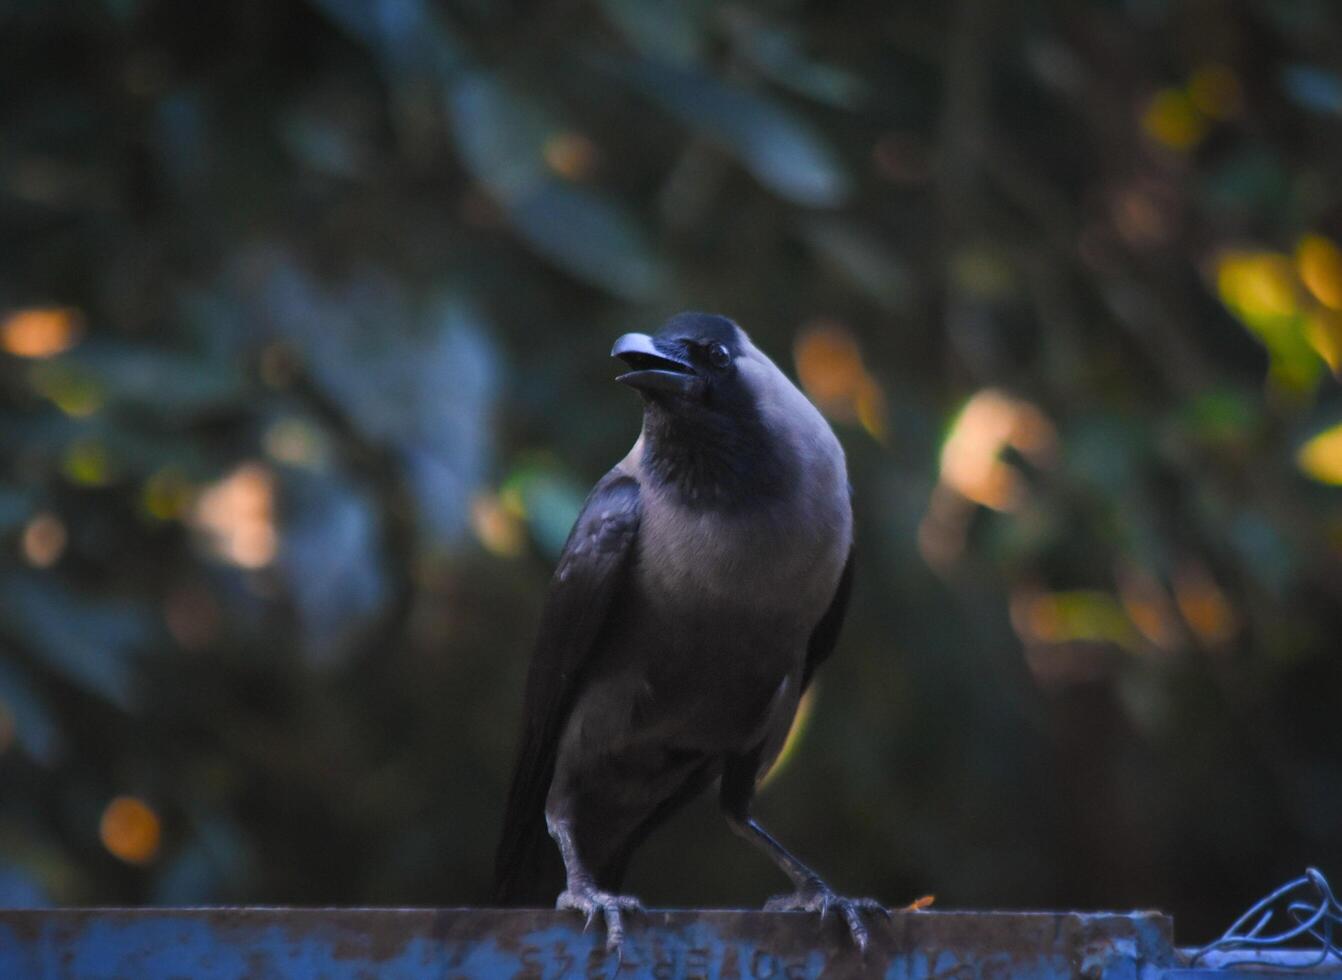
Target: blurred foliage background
{"x":304,"y":313}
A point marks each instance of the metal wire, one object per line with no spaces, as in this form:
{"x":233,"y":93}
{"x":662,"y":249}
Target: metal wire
{"x":1313,"y":909}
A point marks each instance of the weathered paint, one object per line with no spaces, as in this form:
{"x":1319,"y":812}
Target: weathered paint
{"x":344,"y":944}
{"x":391,"y":944}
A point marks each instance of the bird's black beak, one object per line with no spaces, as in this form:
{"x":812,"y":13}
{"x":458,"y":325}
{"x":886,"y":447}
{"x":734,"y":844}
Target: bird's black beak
{"x":655,"y":370}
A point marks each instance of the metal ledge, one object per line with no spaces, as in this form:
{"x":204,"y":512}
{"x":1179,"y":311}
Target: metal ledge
{"x":400,"y":944}
{"x":234,"y":943}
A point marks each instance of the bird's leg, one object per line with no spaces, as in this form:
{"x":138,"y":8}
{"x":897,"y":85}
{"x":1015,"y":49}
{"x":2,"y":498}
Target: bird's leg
{"x":812,"y":894}
{"x":581,"y":892}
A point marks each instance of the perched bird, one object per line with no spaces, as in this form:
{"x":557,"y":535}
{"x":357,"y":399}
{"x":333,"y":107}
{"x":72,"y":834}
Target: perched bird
{"x":703,"y":583}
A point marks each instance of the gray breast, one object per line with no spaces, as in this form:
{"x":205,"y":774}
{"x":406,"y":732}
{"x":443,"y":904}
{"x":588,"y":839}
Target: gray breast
{"x":784,"y":559}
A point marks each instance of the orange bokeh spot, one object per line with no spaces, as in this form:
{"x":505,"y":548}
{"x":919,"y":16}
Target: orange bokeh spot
{"x":1204,"y":606}
{"x":830,"y":368}
{"x":570,"y":155}
{"x":971,"y":458}
{"x":130,"y":830}
{"x":1319,"y":262}
{"x":43,"y":540}
{"x":39,"y":332}
{"x":237,"y":516}
{"x":496,"y":527}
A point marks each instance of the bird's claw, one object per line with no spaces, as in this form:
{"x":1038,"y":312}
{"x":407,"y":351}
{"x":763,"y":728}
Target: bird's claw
{"x":816,"y":896}
{"x":590,"y":901}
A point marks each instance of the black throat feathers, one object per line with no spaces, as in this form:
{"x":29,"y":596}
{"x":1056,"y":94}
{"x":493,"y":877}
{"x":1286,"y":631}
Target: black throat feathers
{"x":714,"y":461}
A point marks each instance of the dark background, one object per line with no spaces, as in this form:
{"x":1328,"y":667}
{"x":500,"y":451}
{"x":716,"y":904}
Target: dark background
{"x":304,"y":314}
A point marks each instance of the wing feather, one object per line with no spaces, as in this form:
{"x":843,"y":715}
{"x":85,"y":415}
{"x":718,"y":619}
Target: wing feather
{"x":585,"y":581}
{"x":826,"y":633}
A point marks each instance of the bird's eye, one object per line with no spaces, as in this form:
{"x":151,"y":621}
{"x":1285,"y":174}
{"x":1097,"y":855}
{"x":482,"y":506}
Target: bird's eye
{"x":719,"y":356}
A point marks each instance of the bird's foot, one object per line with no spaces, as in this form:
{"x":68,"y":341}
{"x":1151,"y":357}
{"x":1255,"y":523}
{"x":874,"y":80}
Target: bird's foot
{"x":589,"y":900}
{"x":816,"y":896}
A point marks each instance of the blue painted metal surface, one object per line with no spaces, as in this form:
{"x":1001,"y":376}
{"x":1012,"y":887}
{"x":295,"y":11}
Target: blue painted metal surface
{"x":400,"y":944}
{"x":343,"y":944}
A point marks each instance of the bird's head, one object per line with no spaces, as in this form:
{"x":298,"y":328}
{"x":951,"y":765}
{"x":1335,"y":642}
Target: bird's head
{"x":719,"y":416}
{"x":697,"y":364}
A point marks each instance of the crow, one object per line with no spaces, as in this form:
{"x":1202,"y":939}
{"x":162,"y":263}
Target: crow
{"x":704,"y":581}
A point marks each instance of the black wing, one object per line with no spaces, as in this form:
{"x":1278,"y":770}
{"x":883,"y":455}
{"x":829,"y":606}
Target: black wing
{"x":826,"y":633}
{"x":588,"y":576}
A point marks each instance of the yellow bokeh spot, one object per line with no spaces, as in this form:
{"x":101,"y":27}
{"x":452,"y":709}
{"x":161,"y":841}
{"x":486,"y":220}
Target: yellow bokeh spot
{"x":167,"y":495}
{"x":496,"y":527}
{"x":1257,"y":285}
{"x":1319,"y":261}
{"x":831,"y":371}
{"x":570,"y":155}
{"x":130,"y":830}
{"x":87,"y":463}
{"x":800,"y":721}
{"x":1215,"y":91}
{"x":1262,"y":289}
{"x":1323,"y":330}
{"x":1068,"y":617}
{"x":73,"y":392}
{"x":1172,"y":120}
{"x":40,"y":332}
{"x":1321,"y":457}
{"x":871,"y":413}
{"x":514,"y":501}
{"x":43,"y":540}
